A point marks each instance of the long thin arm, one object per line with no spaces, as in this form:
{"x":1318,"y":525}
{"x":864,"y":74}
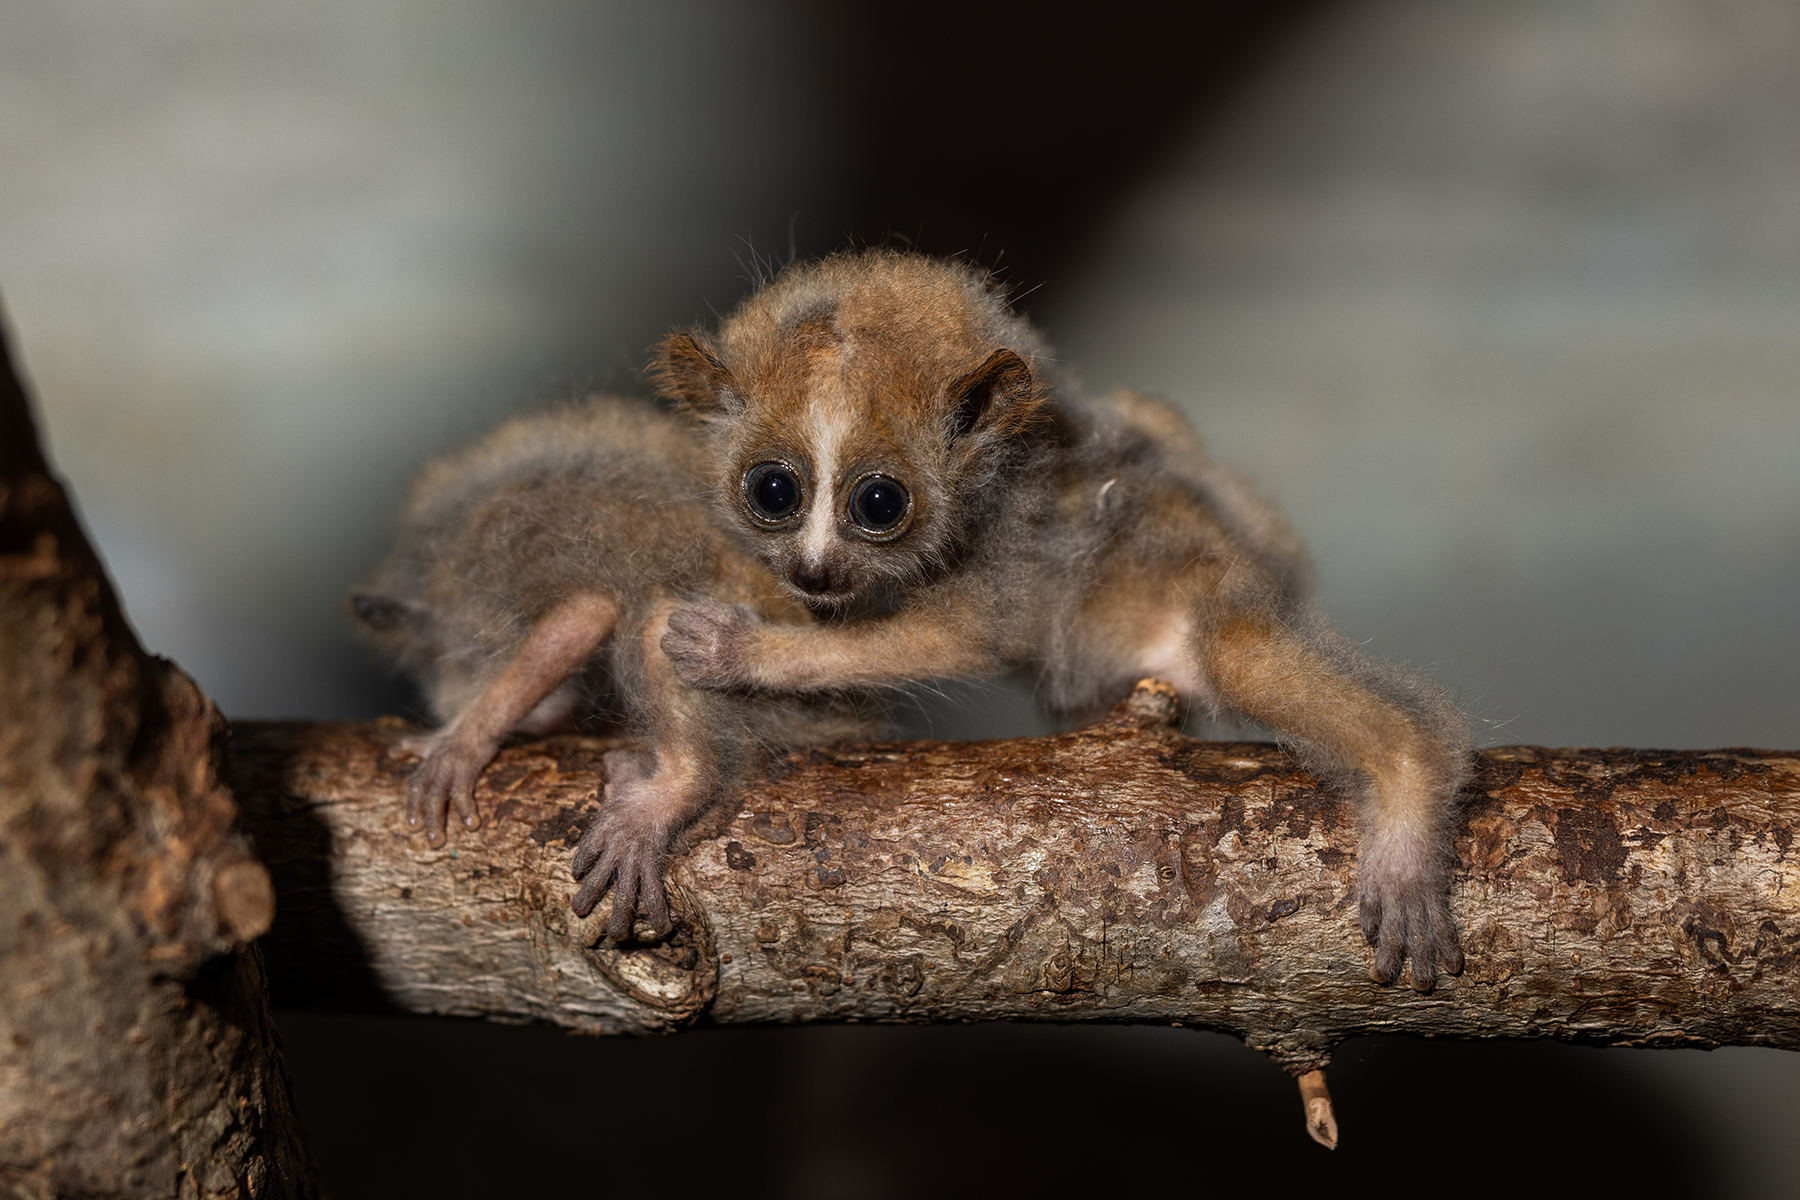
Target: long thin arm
{"x":555,"y":648}
{"x":1398,"y":744}
{"x":647,"y":803}
{"x":712,"y":645}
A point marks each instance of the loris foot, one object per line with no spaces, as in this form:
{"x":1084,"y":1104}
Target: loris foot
{"x":625,"y":847}
{"x":705,"y":643}
{"x":1405,"y":914}
{"x":446,"y":777}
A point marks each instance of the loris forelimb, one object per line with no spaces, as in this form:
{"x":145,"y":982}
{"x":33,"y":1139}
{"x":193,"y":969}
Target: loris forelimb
{"x":557,"y":647}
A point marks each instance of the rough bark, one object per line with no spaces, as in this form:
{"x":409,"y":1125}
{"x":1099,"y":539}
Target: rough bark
{"x":1119,"y":873}
{"x":137,"y":1057}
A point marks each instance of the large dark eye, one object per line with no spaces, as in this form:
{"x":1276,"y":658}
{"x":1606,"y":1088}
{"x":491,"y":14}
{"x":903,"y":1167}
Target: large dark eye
{"x":879,"y":504}
{"x":772,"y":490}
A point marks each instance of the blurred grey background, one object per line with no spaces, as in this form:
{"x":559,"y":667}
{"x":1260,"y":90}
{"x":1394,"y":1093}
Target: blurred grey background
{"x":1500,"y":300}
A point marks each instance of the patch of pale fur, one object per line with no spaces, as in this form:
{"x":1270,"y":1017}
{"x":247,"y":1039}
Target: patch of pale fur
{"x":1165,"y":654}
{"x":553,"y":712}
{"x":831,"y":421}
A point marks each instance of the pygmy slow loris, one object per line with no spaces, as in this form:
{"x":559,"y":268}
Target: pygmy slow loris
{"x":532,"y":578}
{"x":892,"y":440}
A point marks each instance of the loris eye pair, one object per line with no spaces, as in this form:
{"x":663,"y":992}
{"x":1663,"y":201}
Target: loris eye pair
{"x":878,"y":503}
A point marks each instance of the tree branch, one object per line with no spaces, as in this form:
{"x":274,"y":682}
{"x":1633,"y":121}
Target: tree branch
{"x":1118,"y":873}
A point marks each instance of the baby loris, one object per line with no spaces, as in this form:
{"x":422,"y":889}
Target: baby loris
{"x":889,"y":438}
{"x":531,"y":579}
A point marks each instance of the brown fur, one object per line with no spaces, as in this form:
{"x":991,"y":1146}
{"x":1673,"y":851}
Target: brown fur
{"x":531,"y":582}
{"x":1090,"y":542}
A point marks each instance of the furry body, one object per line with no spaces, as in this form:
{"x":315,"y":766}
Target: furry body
{"x":531,"y":580}
{"x":1090,"y":542}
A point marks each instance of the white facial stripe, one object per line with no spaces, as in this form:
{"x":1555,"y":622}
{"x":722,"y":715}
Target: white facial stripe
{"x":830,"y":429}
{"x":816,"y":541}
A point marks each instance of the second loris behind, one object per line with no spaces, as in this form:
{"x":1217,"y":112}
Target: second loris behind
{"x":888,"y":434}
{"x":531,"y":580}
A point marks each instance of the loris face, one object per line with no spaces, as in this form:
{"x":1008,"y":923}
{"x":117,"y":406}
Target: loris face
{"x":845,"y":473}
{"x":836,"y":499}
{"x":855,"y":405}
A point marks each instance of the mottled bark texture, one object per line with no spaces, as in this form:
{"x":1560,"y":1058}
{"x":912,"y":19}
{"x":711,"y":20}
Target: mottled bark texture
{"x":1121,"y":872}
{"x":137,"y":1057}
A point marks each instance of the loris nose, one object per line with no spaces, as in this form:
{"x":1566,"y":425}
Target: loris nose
{"x":815,"y":580}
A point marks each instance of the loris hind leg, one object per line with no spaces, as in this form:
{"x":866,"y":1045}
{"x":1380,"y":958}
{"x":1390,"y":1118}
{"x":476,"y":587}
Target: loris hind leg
{"x":1394,"y":739}
{"x":525,"y":696}
{"x":626,"y":847}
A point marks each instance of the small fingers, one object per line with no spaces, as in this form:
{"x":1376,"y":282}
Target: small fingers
{"x":593,"y":845}
{"x":624,"y":906}
{"x":685,"y":622}
{"x":584,"y":900}
{"x":593,"y":887}
{"x":652,"y":901}
{"x":701,"y":641}
{"x":462,"y":794}
{"x":1390,"y":945}
{"x":635,"y":878}
{"x":624,"y":849}
{"x":1369,"y":909}
{"x":691,"y":630}
{"x":1440,"y":950}
{"x":425,"y":800}
{"x":1410,"y":930}
{"x":1423,"y":973}
{"x":415,"y":805}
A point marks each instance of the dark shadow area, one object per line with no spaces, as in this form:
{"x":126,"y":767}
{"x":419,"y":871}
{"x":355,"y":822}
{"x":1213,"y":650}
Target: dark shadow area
{"x":313,"y":956}
{"x":1005,"y":131}
{"x":451,"y":1109}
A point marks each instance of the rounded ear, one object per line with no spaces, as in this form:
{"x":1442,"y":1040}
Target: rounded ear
{"x":1000,"y":397}
{"x":384,"y":614}
{"x":686,"y":371}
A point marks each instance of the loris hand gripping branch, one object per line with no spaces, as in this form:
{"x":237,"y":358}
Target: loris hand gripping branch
{"x":890,"y":439}
{"x":532,"y":577}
